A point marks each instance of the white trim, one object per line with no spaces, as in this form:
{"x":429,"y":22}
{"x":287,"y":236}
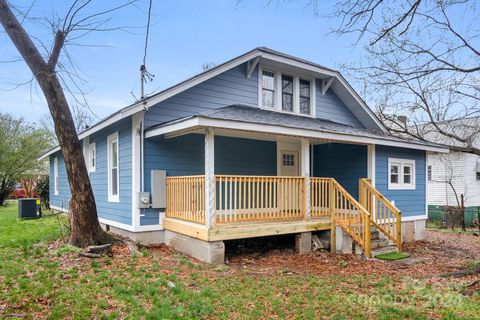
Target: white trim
{"x":413,"y":218}
{"x":199,"y":121}
{"x":153,"y":227}
{"x":326,"y":84}
{"x":55,"y":176}
{"x":209,"y":177}
{"x":371,"y":162}
{"x":277,"y":100}
{"x":110,"y":139}
{"x":116,"y":224}
{"x":402,"y":163}
{"x":136,"y":164}
{"x":305,"y":171}
{"x":426,"y":184}
{"x":64,"y":210}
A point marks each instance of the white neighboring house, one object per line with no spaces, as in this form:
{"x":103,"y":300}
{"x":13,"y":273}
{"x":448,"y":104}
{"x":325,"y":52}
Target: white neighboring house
{"x":451,"y":174}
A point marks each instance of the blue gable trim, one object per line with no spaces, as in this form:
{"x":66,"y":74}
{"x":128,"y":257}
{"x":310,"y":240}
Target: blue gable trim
{"x":410,"y":202}
{"x":345,"y":162}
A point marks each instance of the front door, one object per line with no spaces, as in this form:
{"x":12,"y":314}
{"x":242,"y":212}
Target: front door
{"x":289,"y":163}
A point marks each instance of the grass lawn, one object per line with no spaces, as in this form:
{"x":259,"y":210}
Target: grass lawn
{"x":41,"y":277}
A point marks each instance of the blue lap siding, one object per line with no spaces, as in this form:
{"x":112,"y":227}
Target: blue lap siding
{"x":410,"y":202}
{"x":233,"y":87}
{"x":115,"y":211}
{"x":185,"y":156}
{"x":345,"y":162}
{"x":64,"y":195}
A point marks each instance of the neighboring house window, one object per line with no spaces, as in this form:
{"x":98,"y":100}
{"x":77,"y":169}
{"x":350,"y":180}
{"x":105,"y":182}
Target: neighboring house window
{"x":113,"y":172}
{"x":305,"y":102}
{"x":401,"y":174}
{"x":286,"y":92}
{"x":92,"y":157}
{"x":55,"y":175}
{"x":429,"y":173}
{"x":268,"y":89}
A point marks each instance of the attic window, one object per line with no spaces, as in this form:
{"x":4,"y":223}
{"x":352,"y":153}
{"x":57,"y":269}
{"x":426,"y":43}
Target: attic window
{"x":288,"y":93}
{"x":268,"y":89}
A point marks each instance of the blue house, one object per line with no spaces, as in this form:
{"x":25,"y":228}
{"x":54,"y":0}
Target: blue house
{"x":263,"y":144}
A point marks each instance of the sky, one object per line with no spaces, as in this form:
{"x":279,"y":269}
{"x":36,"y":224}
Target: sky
{"x":184,"y":35}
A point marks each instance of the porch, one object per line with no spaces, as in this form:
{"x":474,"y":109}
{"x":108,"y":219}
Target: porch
{"x":226,"y":181}
{"x":236,"y":207}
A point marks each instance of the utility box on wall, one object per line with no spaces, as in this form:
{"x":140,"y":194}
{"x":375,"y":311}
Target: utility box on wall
{"x":159,"y":189}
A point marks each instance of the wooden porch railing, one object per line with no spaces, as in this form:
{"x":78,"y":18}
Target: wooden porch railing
{"x":319,"y":197}
{"x":271,"y":198}
{"x":258,"y":198}
{"x":384,"y":215}
{"x":186,"y":198}
{"x":350,"y":215}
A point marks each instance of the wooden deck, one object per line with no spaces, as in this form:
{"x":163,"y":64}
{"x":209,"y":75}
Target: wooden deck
{"x":245,"y":230}
{"x":226,"y":207}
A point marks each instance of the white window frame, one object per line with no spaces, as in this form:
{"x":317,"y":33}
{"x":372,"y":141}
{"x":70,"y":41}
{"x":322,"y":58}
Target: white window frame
{"x":429,"y":172}
{"x":55,"y":176}
{"x":278,"y":91}
{"x":92,"y":155}
{"x":401,"y":185}
{"x":110,"y":140}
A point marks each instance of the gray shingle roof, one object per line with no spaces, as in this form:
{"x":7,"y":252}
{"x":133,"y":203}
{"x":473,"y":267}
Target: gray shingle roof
{"x":247,"y":114}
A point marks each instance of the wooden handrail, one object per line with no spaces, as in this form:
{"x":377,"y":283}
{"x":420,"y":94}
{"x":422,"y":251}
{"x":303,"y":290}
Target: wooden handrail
{"x":384,"y":215}
{"x":186,"y":198}
{"x":258,"y":198}
{"x":351,"y":216}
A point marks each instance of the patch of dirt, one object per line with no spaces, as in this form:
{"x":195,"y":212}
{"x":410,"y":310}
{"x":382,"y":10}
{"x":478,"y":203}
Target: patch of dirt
{"x":438,"y":253}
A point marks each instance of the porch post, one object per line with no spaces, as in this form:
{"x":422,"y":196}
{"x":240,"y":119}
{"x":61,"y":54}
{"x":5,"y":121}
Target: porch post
{"x":371,"y":163}
{"x":305,"y":170}
{"x":209,"y":177}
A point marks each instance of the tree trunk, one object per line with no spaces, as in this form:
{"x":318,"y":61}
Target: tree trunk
{"x":462,"y":212}
{"x":85,"y":228}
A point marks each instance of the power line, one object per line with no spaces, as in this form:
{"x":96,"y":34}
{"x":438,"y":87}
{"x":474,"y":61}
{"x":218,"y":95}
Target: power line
{"x":144,"y":74}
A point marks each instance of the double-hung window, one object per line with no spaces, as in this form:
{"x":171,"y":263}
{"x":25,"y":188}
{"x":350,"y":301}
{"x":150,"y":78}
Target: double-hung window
{"x":92,"y":157}
{"x":401,"y":174}
{"x":55,"y":175}
{"x":305,"y":101}
{"x":286,"y":92}
{"x":268,"y":89}
{"x":113,"y":168}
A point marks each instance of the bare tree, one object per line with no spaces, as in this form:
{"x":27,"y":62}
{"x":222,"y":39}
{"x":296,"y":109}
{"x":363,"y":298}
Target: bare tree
{"x":85,"y":228}
{"x":423,"y":63}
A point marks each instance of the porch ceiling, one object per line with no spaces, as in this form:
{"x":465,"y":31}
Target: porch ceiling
{"x":272,"y":124}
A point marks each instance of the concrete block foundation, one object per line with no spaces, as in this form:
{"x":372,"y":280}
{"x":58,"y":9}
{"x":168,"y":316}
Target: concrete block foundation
{"x":413,"y":230}
{"x":144,"y":237}
{"x":303,"y":242}
{"x":211,"y":252}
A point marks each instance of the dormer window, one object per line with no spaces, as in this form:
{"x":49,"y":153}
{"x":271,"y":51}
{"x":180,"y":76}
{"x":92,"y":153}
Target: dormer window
{"x":268,"y":89}
{"x":305,"y":101}
{"x":286,"y":92}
